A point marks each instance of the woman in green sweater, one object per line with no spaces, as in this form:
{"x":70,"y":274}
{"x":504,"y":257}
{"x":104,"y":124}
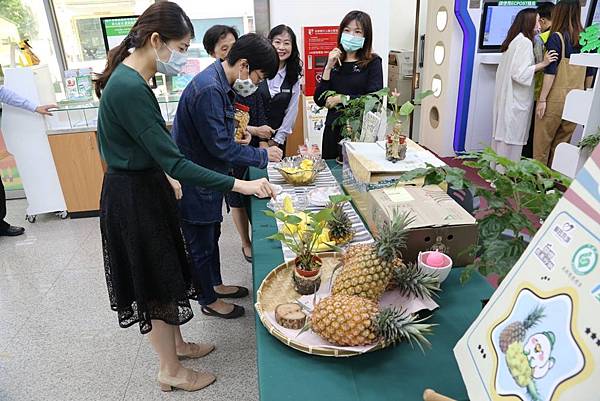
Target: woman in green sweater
{"x":147,"y":270}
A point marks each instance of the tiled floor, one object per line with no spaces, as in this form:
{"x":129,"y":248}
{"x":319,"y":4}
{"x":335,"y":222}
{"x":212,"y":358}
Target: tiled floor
{"x":60,"y":341}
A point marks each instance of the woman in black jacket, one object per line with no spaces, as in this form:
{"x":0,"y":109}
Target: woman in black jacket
{"x":353,"y":70}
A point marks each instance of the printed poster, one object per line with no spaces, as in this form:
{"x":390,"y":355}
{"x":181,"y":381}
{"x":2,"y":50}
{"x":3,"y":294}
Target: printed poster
{"x":538,"y":338}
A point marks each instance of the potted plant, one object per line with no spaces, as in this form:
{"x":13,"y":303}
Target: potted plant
{"x":588,"y":144}
{"x":352,"y":111}
{"x":306,"y":234}
{"x":527,"y":188}
{"x":395,"y":144}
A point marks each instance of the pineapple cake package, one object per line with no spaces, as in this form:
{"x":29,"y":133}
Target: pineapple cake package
{"x":440,"y":223}
{"x":538,"y":338}
{"x":366,"y":168}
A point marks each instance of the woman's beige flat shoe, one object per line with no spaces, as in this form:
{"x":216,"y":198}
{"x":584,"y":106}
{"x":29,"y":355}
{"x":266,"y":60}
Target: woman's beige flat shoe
{"x":193,"y":381}
{"x":196,"y":350}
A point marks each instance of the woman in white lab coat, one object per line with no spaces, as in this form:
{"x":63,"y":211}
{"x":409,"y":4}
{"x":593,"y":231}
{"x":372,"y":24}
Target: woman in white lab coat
{"x":513,"y":103}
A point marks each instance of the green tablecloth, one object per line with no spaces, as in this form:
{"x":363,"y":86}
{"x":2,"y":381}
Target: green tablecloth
{"x":395,"y":374}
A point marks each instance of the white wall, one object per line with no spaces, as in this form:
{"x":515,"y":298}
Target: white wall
{"x":402,"y":24}
{"x":300,"y":13}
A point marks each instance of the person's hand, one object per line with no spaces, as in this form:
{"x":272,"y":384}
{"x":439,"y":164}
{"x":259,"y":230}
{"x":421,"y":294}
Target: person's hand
{"x":540,"y":109}
{"x":245,"y":139}
{"x":275,"y":154}
{"x":333,"y":101}
{"x":176,"y":187}
{"x":44,"y":109}
{"x":263,"y":132}
{"x":550,"y":57}
{"x":260,"y":188}
{"x":263,"y":145}
{"x":334,"y":57}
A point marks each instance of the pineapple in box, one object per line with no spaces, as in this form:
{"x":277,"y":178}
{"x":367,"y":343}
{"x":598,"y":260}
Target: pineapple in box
{"x":349,"y":320}
{"x":368,"y":268}
{"x":340,"y":226}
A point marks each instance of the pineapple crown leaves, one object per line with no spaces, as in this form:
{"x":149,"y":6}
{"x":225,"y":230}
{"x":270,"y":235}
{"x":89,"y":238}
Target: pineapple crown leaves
{"x":412,"y":281}
{"x":395,"y":324}
{"x":534,"y":317}
{"x":391,"y":238}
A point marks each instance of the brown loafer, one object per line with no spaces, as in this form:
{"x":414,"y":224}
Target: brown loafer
{"x":196,"y":351}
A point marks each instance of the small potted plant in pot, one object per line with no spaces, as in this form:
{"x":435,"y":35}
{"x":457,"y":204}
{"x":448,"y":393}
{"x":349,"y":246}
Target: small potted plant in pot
{"x":395,"y":143}
{"x":306,"y":234}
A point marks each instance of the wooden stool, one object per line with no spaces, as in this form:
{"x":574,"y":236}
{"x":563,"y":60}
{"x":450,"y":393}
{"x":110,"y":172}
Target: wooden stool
{"x":430,"y":395}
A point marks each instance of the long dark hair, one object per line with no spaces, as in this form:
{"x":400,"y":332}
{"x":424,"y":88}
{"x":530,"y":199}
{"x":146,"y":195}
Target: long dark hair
{"x":293,"y":65}
{"x":364,"y":54}
{"x":566,"y":19}
{"x":524,"y":23}
{"x":165,"y":18}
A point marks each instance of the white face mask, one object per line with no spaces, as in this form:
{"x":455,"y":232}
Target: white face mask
{"x":244,"y":87}
{"x":175,"y":64}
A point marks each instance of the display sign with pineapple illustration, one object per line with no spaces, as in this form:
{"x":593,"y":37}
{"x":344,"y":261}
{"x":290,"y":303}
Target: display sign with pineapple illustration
{"x":538,"y":338}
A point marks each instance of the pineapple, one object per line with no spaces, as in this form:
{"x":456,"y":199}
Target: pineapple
{"x":349,"y":320}
{"x":368,"y":268}
{"x":340,"y":226}
{"x":409,"y":280}
{"x":516,"y":331}
{"x":519,"y":368}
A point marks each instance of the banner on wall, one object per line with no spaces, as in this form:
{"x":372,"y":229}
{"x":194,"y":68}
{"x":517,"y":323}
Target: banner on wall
{"x":8,"y":169}
{"x":318,"y":42}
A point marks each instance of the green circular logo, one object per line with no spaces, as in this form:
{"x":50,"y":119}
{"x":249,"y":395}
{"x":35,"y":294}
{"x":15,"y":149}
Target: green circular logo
{"x":585,"y":259}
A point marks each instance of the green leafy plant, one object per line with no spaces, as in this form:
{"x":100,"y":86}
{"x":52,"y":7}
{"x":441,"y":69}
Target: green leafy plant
{"x":401,"y":112}
{"x":589,"y":39}
{"x":304,"y":242}
{"x":527,"y":187}
{"x":590,"y":142}
{"x":352,"y":111}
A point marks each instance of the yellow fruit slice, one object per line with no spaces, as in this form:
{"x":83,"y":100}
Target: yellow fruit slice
{"x":288,"y":205}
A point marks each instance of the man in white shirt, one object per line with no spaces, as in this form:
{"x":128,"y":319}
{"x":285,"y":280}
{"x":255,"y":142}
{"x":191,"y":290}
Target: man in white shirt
{"x":9,"y":97}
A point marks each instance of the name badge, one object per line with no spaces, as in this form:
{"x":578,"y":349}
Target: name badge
{"x":285,"y":91}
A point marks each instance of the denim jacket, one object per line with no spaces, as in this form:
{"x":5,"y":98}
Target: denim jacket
{"x":203,"y":130}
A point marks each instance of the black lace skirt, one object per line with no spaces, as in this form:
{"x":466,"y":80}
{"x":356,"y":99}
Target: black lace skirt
{"x":148,"y":273}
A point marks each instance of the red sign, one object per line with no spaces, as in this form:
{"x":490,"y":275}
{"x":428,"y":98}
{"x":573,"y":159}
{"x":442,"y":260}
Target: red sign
{"x":318,"y":42}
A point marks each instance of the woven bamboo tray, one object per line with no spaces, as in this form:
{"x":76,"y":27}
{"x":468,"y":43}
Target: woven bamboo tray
{"x":278,"y":288}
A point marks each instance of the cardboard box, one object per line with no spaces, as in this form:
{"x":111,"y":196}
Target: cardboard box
{"x":440,"y":223}
{"x":365,"y":168}
{"x":557,"y":358}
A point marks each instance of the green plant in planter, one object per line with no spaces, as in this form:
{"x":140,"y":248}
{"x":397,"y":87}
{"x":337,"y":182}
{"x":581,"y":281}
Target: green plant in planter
{"x":589,"y":39}
{"x":400,"y":112}
{"x":352,"y":111}
{"x":526,"y":187}
{"x":590,"y":142}
{"x":306,"y":233}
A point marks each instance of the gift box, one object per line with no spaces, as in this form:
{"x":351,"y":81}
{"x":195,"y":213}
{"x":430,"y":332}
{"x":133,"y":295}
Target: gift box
{"x":440,"y":223}
{"x":366,"y":168}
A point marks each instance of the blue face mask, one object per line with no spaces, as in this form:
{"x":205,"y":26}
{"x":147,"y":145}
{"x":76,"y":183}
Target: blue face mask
{"x":352,"y":43}
{"x":175,"y":64}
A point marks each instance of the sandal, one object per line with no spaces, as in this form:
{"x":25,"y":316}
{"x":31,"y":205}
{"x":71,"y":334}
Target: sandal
{"x":237,"y":311}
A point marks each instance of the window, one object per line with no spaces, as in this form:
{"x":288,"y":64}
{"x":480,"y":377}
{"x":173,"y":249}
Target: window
{"x":204,"y":14}
{"x":80,"y":30}
{"x":26,"y":19}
